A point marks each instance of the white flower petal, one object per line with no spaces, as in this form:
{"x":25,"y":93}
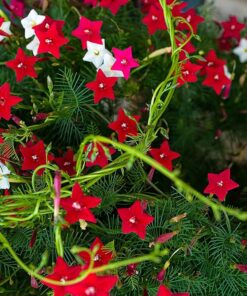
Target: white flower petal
{"x":33,"y":19}
{"x":4,"y":183}
{"x":34,"y":45}
{"x":109,"y":60}
{"x":3,"y":169}
{"x":241,"y":50}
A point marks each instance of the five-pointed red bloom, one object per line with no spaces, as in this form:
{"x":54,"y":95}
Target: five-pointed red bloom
{"x":164,"y":291}
{"x":23,"y":65}
{"x":211,"y":61}
{"x":232,"y":28}
{"x":51,"y":40}
{"x":188,"y":73}
{"x":78,"y":206}
{"x":124,"y":61}
{"x":220,"y":184}
{"x":99,"y":154}
{"x":102,"y":256}
{"x":164,"y":155}
{"x":95,"y":285}
{"x":7,"y":101}
{"x":47,"y":23}
{"x":34,"y":155}
{"x":134,"y":219}
{"x":113,"y":5}
{"x":67,"y":162}
{"x":217,"y":79}
{"x":124,"y":125}
{"x":154,"y":20}
{"x":102,"y":87}
{"x":63,"y":272}
{"x":88,"y":31}
{"x":192,"y":18}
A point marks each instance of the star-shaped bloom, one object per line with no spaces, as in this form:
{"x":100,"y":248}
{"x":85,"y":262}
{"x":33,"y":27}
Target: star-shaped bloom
{"x":164,"y":291}
{"x":220,"y":184}
{"x":17,"y":7}
{"x":23,"y":65}
{"x":102,"y":87}
{"x":88,"y":31}
{"x":164,"y":155}
{"x":4,"y":29}
{"x":217,"y":79}
{"x":95,"y":285}
{"x":192,"y":18}
{"x":4,"y":172}
{"x":124,"y":125}
{"x":188,"y":73}
{"x":102,"y":256}
{"x":186,"y":49}
{"x":34,"y":155}
{"x":124,"y":61}
{"x":113,"y":5}
{"x":47,"y":23}
{"x":95,"y":53}
{"x":232,"y":28}
{"x":211,"y":61}
{"x":67,"y":163}
{"x":99,"y":154}
{"x":241,"y":50}
{"x":106,"y":67}
{"x":154,"y":20}
{"x":78,"y":206}
{"x":62,"y":272}
{"x":134,"y":219}
{"x":34,"y":45}
{"x":7,"y":101}
{"x":33,"y":19}
{"x":51,"y":41}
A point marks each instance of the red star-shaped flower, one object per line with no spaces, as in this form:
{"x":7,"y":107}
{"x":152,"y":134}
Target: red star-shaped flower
{"x":192,"y":18}
{"x":99,"y":154}
{"x":47,"y":23}
{"x":62,"y":272}
{"x":211,"y":61}
{"x":220,"y":184}
{"x":124,"y":61}
{"x":51,"y":41}
{"x":232,"y":28}
{"x":102,"y":87}
{"x":164,"y":291}
{"x":217,"y":79}
{"x":102,"y":256}
{"x":164,"y":155}
{"x":113,"y":5}
{"x":17,"y":7}
{"x":23,"y":65}
{"x":34,"y":155}
{"x":134,"y":219}
{"x":67,"y":162}
{"x":7,"y":101}
{"x":188,"y":73}
{"x":187,"y":48}
{"x":124,"y":125}
{"x":78,"y":206}
{"x":88,"y":31}
{"x":95,"y":285}
{"x":154,"y":20}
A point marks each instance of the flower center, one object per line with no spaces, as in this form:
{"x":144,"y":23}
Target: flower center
{"x":97,"y":257}
{"x":96,"y":52}
{"x":216,"y":77}
{"x":188,"y":18}
{"x":20,"y":65}
{"x":35,"y":157}
{"x":186,"y":72}
{"x":132,"y":220}
{"x":76,"y":205}
{"x":220,"y":184}
{"x":63,"y":279}
{"x":210,"y":64}
{"x":245,"y":50}
{"x":2,"y":101}
{"x":47,"y":26}
{"x":66,"y":163}
{"x":48,"y":41}
{"x":233,"y":27}
{"x":87,"y":31}
{"x":154,"y":18}
{"x":123,"y":125}
{"x":101,"y":85}
{"x":124,"y":62}
{"x":162,"y":155}
{"x":90,"y":291}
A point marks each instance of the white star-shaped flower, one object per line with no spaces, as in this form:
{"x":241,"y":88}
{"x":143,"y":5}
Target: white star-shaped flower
{"x":5,"y":27}
{"x":241,"y":50}
{"x":34,"y":45}
{"x":4,"y":181}
{"x":109,"y":60}
{"x":95,"y":53}
{"x":33,"y":19}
